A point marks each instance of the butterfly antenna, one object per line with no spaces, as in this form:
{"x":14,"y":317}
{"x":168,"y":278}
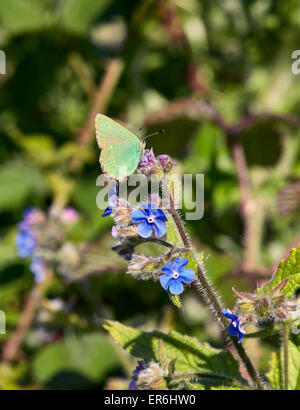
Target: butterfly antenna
{"x":154,"y":133}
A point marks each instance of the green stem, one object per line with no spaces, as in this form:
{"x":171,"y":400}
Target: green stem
{"x":286,"y":331}
{"x":214,"y":303}
{"x":210,"y":376}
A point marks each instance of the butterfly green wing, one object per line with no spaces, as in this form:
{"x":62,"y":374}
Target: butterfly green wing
{"x":121,"y":150}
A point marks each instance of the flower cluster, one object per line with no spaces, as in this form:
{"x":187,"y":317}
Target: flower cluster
{"x":150,"y":165}
{"x":148,"y":223}
{"x":258,"y":308}
{"x":261,"y":309}
{"x":147,"y":376}
{"x":40,"y":236}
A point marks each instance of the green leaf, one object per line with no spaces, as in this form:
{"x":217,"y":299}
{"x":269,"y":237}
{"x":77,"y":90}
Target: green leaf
{"x":17,"y":181}
{"x":77,"y":15}
{"x":19,"y":16}
{"x":288,"y":268}
{"x":276,"y":372}
{"x":191,"y":355}
{"x":91,"y":356}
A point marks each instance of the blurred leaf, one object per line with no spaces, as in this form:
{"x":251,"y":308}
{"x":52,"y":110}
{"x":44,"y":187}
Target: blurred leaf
{"x":39,"y":147}
{"x":288,"y":268}
{"x":191,"y":356}
{"x":17,"y":181}
{"x":91,"y":355}
{"x":77,"y":15}
{"x":276,"y":373}
{"x":18,"y":16}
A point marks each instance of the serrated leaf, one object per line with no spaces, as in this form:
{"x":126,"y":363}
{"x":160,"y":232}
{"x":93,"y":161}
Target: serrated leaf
{"x":288,"y":268}
{"x":191,"y":355}
{"x":276,"y":372}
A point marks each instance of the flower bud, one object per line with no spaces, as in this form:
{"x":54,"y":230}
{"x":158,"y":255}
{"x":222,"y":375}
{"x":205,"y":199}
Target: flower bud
{"x":151,"y":378}
{"x":121,"y":213}
{"x":141,"y":264}
{"x":124,"y":231}
{"x":166,"y":163}
{"x":149,"y":164}
{"x":245,"y":307}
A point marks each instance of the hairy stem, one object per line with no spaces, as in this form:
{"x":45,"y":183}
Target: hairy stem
{"x":286,"y":331}
{"x":203,"y":286}
{"x":209,"y":376}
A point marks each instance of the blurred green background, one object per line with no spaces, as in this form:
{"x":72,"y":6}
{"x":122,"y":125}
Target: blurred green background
{"x":217,"y":77}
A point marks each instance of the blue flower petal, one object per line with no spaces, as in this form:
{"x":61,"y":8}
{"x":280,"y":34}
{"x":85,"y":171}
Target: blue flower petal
{"x":138,"y":215}
{"x":38,"y":268}
{"x":148,"y":207}
{"x":26,"y":243}
{"x":160,"y":228}
{"x":232,"y":330}
{"x":227,"y":313}
{"x":165,"y":281}
{"x":107,"y":212}
{"x":187,"y":275}
{"x":168,"y":268}
{"x":176,"y":287}
{"x":144,"y":229}
{"x":180,"y":263}
{"x":159,"y":214}
{"x":132,"y":385}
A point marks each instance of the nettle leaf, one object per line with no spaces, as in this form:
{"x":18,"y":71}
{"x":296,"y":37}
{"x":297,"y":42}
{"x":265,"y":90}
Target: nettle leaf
{"x":276,"y":373}
{"x":288,"y":268}
{"x":218,"y":367}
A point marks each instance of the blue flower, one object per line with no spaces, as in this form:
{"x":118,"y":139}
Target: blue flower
{"x":140,"y":367}
{"x":150,"y":219}
{"x":174,"y":274}
{"x":234,"y":329}
{"x":38,"y":268}
{"x":112,"y":197}
{"x":25,"y":242}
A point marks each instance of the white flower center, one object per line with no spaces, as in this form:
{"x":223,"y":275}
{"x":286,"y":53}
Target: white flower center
{"x":175,"y":275}
{"x":150,"y":219}
{"x":234,"y":324}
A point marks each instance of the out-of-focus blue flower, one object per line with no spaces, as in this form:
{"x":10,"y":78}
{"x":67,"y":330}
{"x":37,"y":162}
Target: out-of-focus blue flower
{"x":174,"y":274}
{"x":26,"y":219}
{"x":112,"y":198}
{"x":25,"y":242}
{"x":234,"y":329}
{"x":140,"y":367}
{"x":149,"y":219}
{"x":38,"y":268}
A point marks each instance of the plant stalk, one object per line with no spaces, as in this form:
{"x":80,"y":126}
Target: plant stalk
{"x":215,"y":304}
{"x":286,"y":331}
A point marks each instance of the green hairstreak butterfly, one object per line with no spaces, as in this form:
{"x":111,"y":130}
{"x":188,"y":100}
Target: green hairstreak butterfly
{"x":121,"y":149}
